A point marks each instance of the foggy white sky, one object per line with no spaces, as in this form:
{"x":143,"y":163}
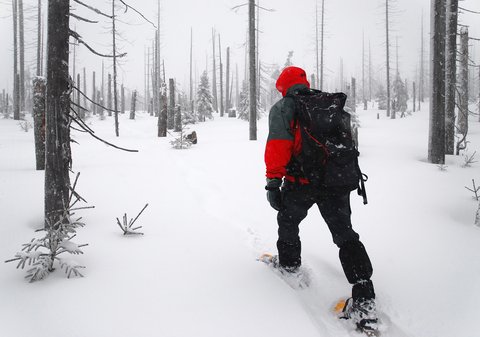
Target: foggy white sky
{"x":290,"y":27}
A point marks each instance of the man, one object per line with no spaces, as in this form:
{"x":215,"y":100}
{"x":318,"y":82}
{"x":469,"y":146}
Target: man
{"x":292,"y":194}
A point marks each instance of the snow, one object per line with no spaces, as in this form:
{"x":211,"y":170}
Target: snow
{"x":194,"y":272}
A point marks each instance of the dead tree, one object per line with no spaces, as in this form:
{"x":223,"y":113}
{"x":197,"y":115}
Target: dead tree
{"x":94,"y":95}
{"x":39,"y":89}
{"x":109,"y":95}
{"x":451,"y":74}
{"x":39,"y":38}
{"x":436,"y":144}
{"x":252,"y":71}
{"x":222,"y":107}
{"x":57,"y":141}
{"x":462,"y":126}
{"x":387,"y":46}
{"x":114,"y":58}
{"x":214,"y":75}
{"x":171,"y":105}
{"x":16,"y":95}
{"x":227,"y":80}
{"x":162,"y":117}
{"x":21,"y":31}
{"x":133,"y":104}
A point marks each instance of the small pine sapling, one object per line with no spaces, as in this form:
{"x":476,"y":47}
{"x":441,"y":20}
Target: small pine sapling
{"x":442,"y":167}
{"x":474,"y":190}
{"x":127,"y":226}
{"x":469,"y":159}
{"x":42,"y":253}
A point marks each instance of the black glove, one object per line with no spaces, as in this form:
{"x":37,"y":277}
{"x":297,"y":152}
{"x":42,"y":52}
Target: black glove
{"x":274,"y":195}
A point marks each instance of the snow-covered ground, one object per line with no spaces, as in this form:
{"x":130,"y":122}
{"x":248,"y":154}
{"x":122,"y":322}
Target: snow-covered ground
{"x":194,"y":272}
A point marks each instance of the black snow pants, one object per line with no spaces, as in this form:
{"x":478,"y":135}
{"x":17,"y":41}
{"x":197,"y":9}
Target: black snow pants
{"x":335,"y":210}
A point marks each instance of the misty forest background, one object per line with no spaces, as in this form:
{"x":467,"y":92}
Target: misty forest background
{"x":63,"y":91}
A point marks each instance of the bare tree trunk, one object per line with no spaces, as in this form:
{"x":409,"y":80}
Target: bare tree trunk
{"x":422,"y":68}
{"x":122,"y":99}
{"x":227,"y":77}
{"x":162,"y":118}
{"x":253,"y":72}
{"x":178,"y":119}
{"x":133,"y":105}
{"x":214,"y":75}
{"x":16,"y":99}
{"x":109,"y":94}
{"x":451,"y":75}
{"x":94,"y":95}
{"x":369,"y":71}
{"x":191,"y":66}
{"x":463,"y":79}
{"x":171,"y":105}
{"x":81,"y":112}
{"x":115,"y":92}
{"x":387,"y":32}
{"x":39,"y":90}
{"x":84,"y":87}
{"x":436,"y":144}
{"x":414,"y":92}
{"x":39,"y":38}
{"x":22,"y":54}
{"x":222,"y":107}
{"x":57,"y":143}
{"x":237,"y":88}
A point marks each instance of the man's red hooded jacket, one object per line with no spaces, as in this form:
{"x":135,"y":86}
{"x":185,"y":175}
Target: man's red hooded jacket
{"x":283,"y":142}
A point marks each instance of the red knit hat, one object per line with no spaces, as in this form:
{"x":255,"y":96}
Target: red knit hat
{"x":289,"y":77}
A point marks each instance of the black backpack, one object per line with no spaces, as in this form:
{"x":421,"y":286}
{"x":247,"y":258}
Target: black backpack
{"x":329,"y":156}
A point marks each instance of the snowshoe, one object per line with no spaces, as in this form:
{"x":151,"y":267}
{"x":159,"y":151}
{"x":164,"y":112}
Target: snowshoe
{"x":362,"y":313}
{"x":295,"y":277}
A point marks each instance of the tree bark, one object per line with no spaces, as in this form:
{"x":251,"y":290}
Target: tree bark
{"x":463,"y":88}
{"x":39,"y":90}
{"x":109,"y":95}
{"x":57,"y":142}
{"x":162,"y":117}
{"x":451,"y":75}
{"x":133,"y":105}
{"x":436,"y":144}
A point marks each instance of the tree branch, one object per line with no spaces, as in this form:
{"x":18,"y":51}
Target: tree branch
{"x":128,"y":6}
{"x":82,"y":19}
{"x":468,"y":10}
{"x":100,"y":139}
{"x":93,"y":9}
{"x":77,"y":37}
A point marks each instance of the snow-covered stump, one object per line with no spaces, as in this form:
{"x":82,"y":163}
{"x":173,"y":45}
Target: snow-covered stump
{"x":39,"y":90}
